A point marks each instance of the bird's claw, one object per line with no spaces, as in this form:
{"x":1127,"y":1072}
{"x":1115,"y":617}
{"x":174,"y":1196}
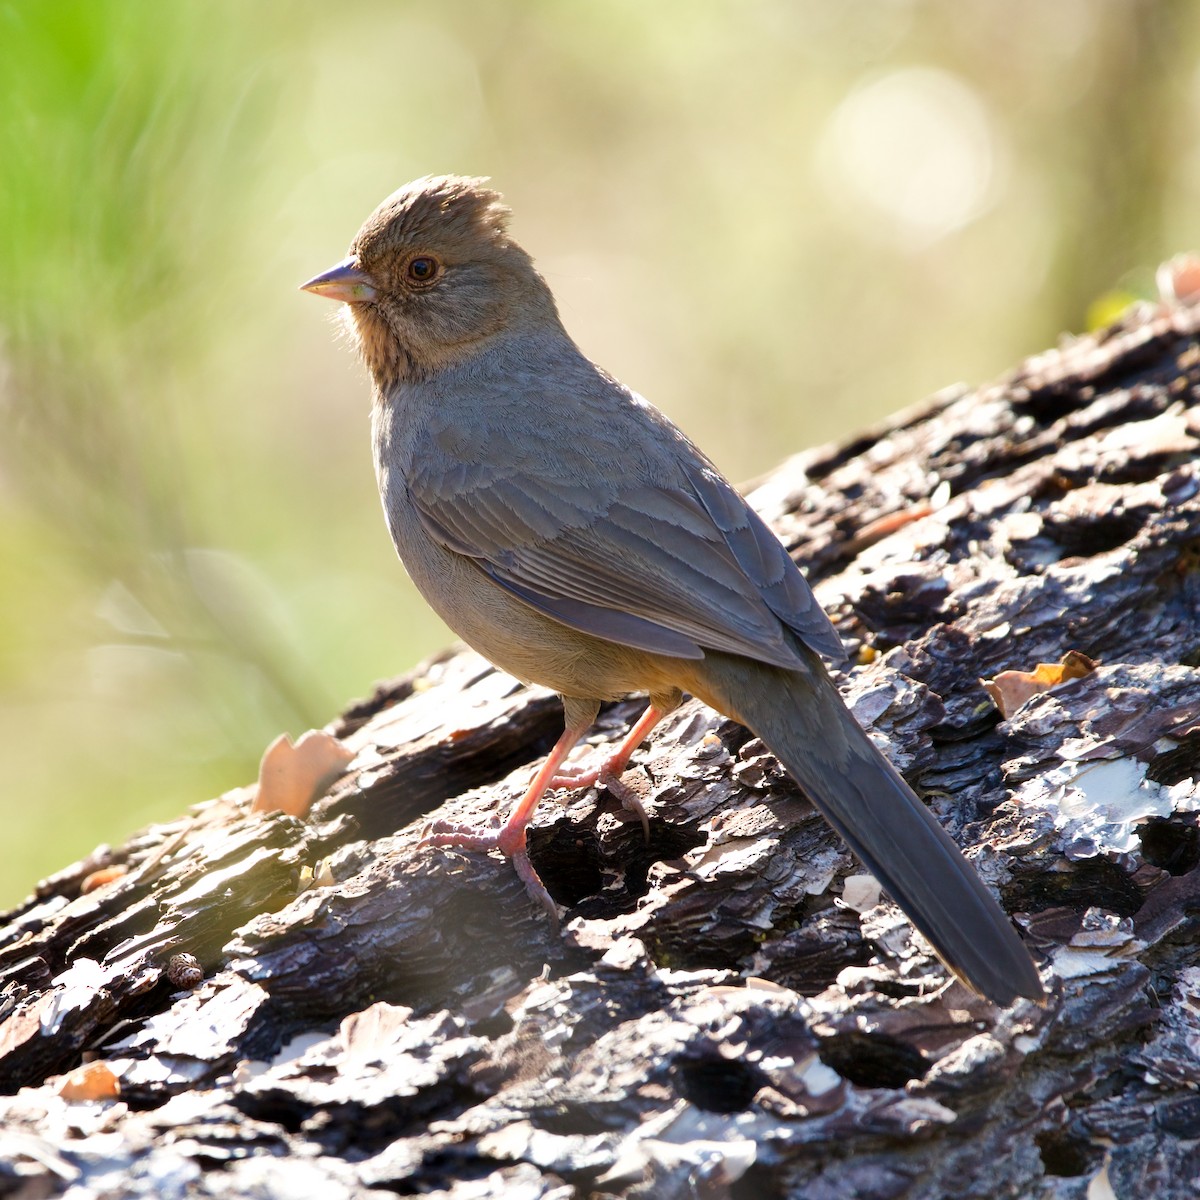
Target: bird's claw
{"x":576,"y":777}
{"x":466,"y":837}
{"x":608,"y":777}
{"x":630,"y":801}
{"x":534,"y":886}
{"x":509,"y":840}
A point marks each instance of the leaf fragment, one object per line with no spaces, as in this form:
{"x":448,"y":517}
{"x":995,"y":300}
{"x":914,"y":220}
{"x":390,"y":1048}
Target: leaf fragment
{"x":1010,"y":689}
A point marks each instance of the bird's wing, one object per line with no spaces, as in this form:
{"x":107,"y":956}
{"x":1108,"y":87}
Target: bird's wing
{"x":763,"y":558}
{"x":674,"y":565}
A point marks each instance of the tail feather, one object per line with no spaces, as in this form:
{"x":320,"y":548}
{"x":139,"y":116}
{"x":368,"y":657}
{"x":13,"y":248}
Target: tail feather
{"x":801,"y":717}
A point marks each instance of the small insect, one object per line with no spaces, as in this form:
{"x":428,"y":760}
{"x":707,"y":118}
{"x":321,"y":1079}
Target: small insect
{"x":185,"y":971}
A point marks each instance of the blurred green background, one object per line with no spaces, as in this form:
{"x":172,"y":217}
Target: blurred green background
{"x":779,"y":220}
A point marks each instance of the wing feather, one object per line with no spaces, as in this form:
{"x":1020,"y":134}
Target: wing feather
{"x":660,"y":553}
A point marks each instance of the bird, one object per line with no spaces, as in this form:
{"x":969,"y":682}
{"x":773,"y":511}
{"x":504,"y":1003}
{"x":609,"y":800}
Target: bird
{"x":569,"y":532}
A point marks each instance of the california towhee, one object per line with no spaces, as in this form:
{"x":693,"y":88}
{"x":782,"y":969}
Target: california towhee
{"x":570,"y":533}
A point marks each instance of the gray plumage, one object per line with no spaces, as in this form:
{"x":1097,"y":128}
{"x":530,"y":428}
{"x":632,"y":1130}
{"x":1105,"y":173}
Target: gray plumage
{"x":570,"y":533}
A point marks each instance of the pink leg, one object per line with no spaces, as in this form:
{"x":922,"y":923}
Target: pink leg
{"x":609,"y":769}
{"x":613,"y":766}
{"x":509,"y":839}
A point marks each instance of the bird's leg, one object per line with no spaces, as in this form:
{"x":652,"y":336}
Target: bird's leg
{"x":607,"y":769}
{"x":509,"y":839}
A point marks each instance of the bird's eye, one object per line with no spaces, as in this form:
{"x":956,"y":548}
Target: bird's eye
{"x":422,"y":269}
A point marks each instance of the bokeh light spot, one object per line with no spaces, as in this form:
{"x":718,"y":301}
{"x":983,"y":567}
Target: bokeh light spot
{"x":917,"y":149}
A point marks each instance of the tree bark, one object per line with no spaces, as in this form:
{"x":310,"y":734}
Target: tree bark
{"x":727,"y":1010}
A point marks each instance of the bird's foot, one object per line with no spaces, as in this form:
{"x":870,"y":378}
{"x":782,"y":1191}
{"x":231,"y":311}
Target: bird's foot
{"x":606,"y":771}
{"x":580,"y":775}
{"x":509,"y":839}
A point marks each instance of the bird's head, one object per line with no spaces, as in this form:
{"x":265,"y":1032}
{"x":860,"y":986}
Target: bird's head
{"x":431,"y":276}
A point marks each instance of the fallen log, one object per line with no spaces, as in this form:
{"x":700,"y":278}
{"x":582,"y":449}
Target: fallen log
{"x":246,"y":1003}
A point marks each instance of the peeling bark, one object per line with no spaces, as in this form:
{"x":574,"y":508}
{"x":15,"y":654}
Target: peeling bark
{"x":728,"y":1010}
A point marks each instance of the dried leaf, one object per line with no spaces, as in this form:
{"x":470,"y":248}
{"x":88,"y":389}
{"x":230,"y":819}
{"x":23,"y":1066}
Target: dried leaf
{"x":1178,"y":280}
{"x":292,"y":778}
{"x":1010,"y":689}
{"x":882,"y":527}
{"x":92,"y":1081}
{"x":319,"y":876}
{"x":101,"y":877}
{"x":860,"y":892}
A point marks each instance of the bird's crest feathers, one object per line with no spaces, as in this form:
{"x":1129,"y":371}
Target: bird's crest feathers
{"x":435,"y":207}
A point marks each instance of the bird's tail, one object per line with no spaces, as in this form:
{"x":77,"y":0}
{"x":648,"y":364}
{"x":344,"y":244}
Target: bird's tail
{"x":801,"y":717}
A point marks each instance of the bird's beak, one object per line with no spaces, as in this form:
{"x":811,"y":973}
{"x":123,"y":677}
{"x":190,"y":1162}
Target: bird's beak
{"x":347,"y":281}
